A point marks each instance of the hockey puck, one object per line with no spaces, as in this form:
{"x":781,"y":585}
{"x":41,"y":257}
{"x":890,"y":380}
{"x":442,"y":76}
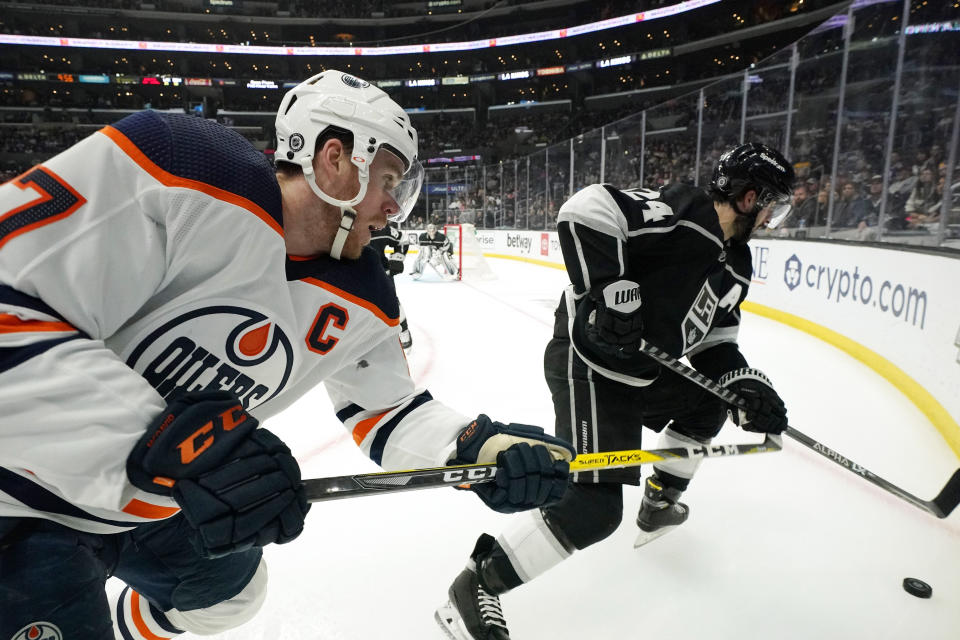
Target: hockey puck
{"x":916,"y":587}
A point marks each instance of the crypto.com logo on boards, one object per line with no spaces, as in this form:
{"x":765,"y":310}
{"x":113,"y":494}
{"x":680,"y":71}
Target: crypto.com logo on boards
{"x":842,"y":285}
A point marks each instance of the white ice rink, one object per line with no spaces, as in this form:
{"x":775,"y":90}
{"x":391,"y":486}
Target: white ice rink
{"x":778,"y":546}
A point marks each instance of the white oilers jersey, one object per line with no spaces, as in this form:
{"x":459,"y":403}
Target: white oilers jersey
{"x":691,"y":282}
{"x":147,"y":261}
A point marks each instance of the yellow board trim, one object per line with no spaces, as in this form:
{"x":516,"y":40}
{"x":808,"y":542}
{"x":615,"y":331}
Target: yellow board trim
{"x":542,"y":263}
{"x":924,"y":401}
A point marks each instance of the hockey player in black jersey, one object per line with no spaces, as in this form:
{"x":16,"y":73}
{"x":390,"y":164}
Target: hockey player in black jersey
{"x":671,"y":267}
{"x":391,"y":236}
{"x":435,"y":249}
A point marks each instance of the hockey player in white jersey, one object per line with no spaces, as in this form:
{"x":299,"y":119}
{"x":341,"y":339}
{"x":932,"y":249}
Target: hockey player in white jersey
{"x":434,"y":249}
{"x":670,"y":267}
{"x":162,"y":291}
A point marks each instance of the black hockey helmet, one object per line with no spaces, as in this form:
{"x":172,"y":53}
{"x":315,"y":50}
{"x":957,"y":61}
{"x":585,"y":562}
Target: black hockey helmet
{"x":755,"y":166}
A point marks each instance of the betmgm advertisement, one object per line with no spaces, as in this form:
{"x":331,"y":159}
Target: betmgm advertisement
{"x":897,"y":311}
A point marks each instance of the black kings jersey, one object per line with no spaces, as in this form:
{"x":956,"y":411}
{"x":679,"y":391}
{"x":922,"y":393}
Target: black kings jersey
{"x":439,"y":241}
{"x":670,"y":242}
{"x":389,"y":236}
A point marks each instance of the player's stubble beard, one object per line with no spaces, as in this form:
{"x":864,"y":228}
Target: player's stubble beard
{"x":743,"y":227}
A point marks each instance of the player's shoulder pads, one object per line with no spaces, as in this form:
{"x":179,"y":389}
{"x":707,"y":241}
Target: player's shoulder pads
{"x":205,"y":151}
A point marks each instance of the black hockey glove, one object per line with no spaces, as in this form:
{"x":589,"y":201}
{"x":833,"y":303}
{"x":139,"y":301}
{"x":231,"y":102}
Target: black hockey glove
{"x":765,"y":411}
{"x":614,"y":325}
{"x":237,"y":486}
{"x":395,"y":264}
{"x":533,"y":467}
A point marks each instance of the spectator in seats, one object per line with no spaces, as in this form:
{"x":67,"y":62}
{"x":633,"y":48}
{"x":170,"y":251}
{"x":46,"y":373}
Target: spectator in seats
{"x":873,"y":199}
{"x":850,"y":209}
{"x":815,"y":211}
{"x":923,"y":205}
{"x":799,"y":200}
{"x":901,"y":186}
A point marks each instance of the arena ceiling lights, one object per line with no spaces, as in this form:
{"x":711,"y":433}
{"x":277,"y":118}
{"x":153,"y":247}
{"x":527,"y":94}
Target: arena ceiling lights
{"x":194,"y":47}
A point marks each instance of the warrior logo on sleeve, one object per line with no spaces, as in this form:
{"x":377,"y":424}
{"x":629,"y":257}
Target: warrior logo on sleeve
{"x":221,"y":347}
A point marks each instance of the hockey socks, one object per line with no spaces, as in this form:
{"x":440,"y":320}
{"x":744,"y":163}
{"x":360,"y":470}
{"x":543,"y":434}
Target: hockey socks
{"x":134,"y":618}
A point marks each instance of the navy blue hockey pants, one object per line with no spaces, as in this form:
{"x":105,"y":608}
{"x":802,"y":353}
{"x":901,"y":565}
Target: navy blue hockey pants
{"x":56,"y":575}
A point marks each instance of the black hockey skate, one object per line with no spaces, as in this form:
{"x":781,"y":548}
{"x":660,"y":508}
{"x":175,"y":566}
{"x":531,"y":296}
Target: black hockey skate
{"x":660,"y":511}
{"x":472,"y":613}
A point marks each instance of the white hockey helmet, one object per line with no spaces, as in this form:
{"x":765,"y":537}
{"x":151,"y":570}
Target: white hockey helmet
{"x":337,"y":99}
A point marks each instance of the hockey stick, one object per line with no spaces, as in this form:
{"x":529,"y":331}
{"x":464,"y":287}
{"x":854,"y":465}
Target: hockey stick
{"x":941,"y":506}
{"x":320,"y":489}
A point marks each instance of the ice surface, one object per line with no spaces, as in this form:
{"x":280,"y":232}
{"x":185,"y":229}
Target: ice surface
{"x":780,"y":546}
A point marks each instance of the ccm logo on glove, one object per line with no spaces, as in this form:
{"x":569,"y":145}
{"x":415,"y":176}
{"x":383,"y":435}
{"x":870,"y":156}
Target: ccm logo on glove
{"x":175,"y":447}
{"x":189,"y":449}
{"x":237,"y":486}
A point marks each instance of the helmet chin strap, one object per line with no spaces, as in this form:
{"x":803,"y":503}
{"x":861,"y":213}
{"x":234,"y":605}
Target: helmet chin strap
{"x":347,"y":214}
{"x":347,"y":217}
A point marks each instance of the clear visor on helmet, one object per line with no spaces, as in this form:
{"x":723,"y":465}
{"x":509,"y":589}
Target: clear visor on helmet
{"x":406,"y":191}
{"x":779,"y":207}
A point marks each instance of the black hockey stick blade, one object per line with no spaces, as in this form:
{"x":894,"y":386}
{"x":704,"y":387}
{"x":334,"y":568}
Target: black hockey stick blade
{"x":948,"y":499}
{"x":320,"y":489}
{"x":941,"y":506}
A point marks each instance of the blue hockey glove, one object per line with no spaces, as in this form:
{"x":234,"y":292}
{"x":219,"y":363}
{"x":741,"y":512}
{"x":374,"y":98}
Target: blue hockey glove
{"x":533,"y":467}
{"x":765,"y":411}
{"x":237,"y":486}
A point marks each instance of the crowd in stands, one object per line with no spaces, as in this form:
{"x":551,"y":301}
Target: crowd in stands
{"x":527,"y":150}
{"x":520,"y":194}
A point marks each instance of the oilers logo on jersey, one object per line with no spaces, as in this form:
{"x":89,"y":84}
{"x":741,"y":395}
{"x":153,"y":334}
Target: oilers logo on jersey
{"x":38,"y":631}
{"x":242,"y":351}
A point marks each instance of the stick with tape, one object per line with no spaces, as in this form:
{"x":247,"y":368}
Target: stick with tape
{"x":319,"y":489}
{"x":940,"y":506}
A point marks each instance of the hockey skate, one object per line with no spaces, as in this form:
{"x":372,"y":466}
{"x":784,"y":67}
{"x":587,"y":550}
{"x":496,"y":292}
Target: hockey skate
{"x":660,"y":511}
{"x":472,"y":613}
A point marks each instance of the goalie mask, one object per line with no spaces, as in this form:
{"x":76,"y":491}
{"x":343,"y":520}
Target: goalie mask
{"x":337,"y":99}
{"x":760,"y":168}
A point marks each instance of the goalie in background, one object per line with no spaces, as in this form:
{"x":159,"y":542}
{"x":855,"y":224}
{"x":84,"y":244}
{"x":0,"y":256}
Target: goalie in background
{"x":437,"y":251}
{"x":391,"y":236}
{"x":669,"y":266}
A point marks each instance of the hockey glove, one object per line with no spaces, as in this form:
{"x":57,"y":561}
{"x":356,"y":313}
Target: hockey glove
{"x":533,"y":468}
{"x":237,"y":486}
{"x":395,"y":264}
{"x":614,"y":324}
{"x":764,"y":411}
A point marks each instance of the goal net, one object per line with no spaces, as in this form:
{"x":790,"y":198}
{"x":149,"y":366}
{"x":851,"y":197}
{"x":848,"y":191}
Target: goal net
{"x":467,"y":252}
